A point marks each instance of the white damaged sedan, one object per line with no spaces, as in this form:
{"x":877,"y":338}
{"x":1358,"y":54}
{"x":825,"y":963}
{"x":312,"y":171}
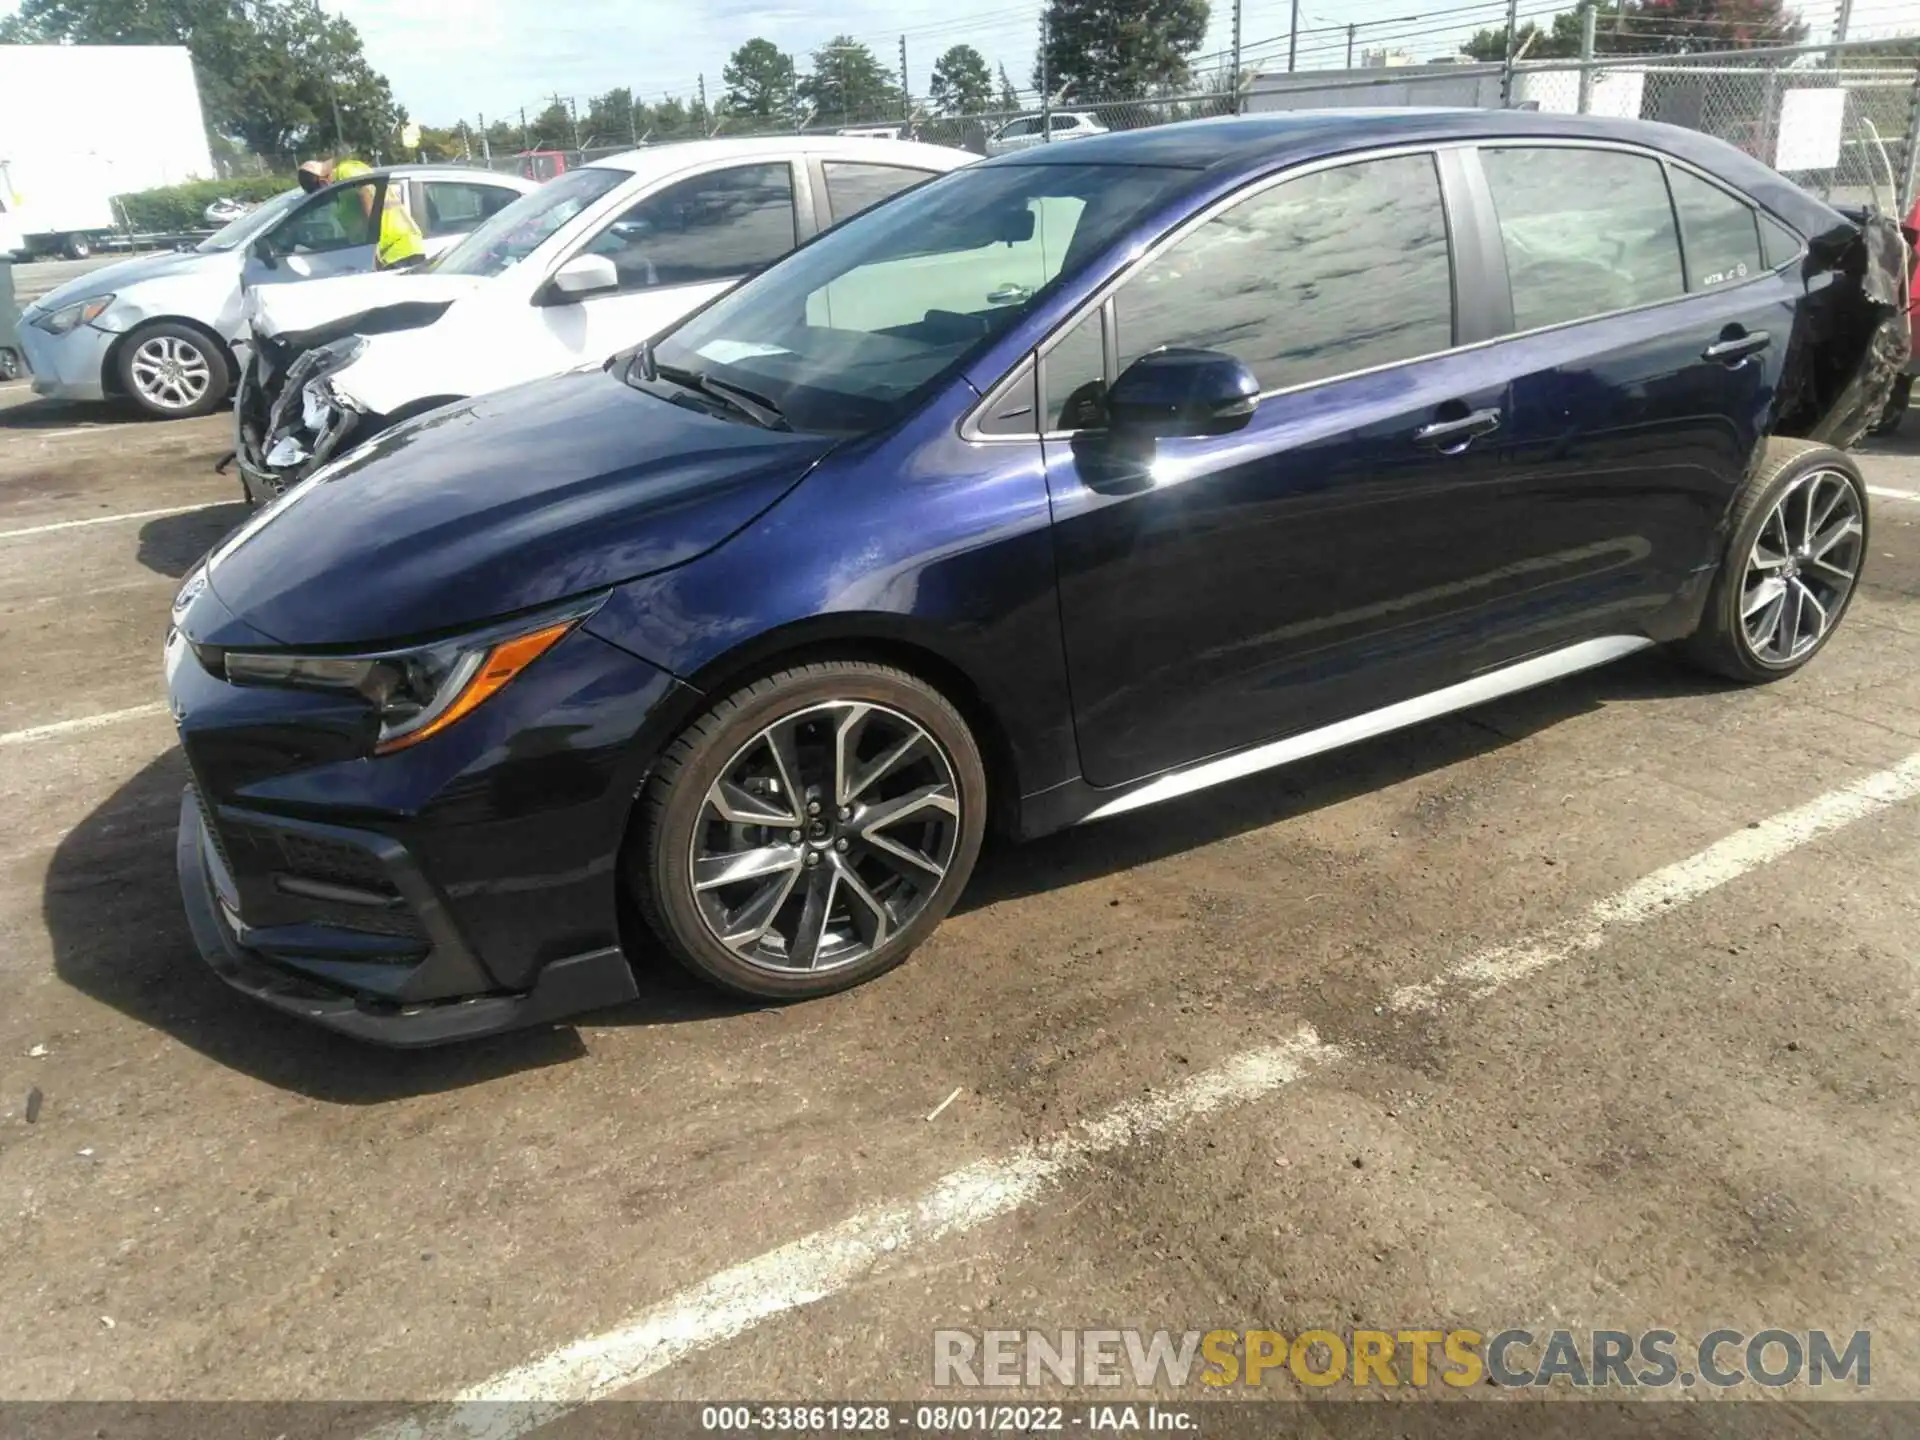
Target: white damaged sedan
{"x":599,"y":259}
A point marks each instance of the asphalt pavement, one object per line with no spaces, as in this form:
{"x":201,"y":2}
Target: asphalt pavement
{"x":1595,"y":1007}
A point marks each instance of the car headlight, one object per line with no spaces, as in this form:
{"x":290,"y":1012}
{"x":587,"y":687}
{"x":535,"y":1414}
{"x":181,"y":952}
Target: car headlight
{"x":71,"y":317}
{"x":425,"y":689}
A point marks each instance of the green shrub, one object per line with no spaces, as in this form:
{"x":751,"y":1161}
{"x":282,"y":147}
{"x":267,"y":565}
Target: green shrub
{"x":181,"y":207}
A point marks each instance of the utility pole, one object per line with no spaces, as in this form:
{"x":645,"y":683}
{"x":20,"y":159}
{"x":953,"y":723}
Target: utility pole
{"x":1293,"y":37}
{"x":486,"y":145}
{"x":1842,"y":18}
{"x":703,"y":102}
{"x":1046,"y":82}
{"x":526,"y":135}
{"x":1506,"y":66}
{"x":1236,"y":57}
{"x":1588,"y":17}
{"x":1350,"y":30}
{"x":906,"y":90}
{"x":633,"y":116}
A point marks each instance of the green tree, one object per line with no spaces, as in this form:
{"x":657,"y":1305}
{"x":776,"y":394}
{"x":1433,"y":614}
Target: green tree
{"x":1638,"y":27}
{"x":670,"y":120}
{"x":272,"y":73}
{"x":849,"y":84}
{"x":1118,"y":49}
{"x":610,"y":119}
{"x":552,"y":128}
{"x":760,"y":83}
{"x":1008,"y":98}
{"x":961,"y":83}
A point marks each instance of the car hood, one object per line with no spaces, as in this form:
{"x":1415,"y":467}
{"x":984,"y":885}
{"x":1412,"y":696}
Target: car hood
{"x":331,"y":306}
{"x":114,"y":278}
{"x":499,"y":504}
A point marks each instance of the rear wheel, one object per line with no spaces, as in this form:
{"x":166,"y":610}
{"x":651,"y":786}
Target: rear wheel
{"x":1799,"y":541}
{"x":75,"y":247}
{"x":173,"y":371}
{"x":811,"y":829}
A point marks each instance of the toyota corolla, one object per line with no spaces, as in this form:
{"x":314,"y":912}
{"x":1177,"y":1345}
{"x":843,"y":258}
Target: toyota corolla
{"x":1068,"y":483}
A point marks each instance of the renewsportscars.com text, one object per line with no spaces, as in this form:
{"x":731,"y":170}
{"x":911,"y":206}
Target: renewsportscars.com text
{"x":1513,"y":1358}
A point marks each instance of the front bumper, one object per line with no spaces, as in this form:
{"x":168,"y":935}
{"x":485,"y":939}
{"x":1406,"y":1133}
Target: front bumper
{"x":72,"y":366}
{"x":461,"y":886}
{"x":564,"y":987}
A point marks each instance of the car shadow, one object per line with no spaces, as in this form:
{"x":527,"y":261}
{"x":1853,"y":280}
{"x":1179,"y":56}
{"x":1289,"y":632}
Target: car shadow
{"x":112,"y":911}
{"x":1009,"y":871}
{"x":174,"y":544}
{"x":112,"y":908}
{"x":43,"y":414}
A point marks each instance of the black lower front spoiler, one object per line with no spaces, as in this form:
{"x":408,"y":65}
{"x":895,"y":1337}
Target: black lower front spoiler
{"x":565,"y":987}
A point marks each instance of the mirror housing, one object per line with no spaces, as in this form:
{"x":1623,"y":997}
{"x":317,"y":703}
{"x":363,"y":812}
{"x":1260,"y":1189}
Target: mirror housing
{"x":263,"y":252}
{"x":1176,"y":393}
{"x":581,"y":277}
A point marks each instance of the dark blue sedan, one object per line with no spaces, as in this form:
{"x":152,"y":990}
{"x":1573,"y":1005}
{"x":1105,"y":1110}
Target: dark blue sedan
{"x":1067,"y":483}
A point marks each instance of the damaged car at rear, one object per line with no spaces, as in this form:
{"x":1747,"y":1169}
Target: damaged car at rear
{"x":292,"y":411}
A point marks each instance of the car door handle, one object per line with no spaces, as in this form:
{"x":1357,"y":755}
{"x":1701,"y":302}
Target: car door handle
{"x":1453,"y":436}
{"x":1736,"y":348}
{"x":1009,"y":295}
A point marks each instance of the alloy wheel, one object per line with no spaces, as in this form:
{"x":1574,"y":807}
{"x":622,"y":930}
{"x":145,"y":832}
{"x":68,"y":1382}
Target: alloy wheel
{"x":1802,"y":568}
{"x":171,"y":373}
{"x":825,"y":834}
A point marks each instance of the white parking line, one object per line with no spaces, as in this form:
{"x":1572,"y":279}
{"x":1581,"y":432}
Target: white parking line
{"x":110,"y":519}
{"x":82,"y":723}
{"x":1887,"y":492}
{"x":818,"y":1266}
{"x":1759,"y":844}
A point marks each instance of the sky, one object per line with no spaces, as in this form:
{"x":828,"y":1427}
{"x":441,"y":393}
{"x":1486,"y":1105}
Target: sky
{"x":461,"y":59}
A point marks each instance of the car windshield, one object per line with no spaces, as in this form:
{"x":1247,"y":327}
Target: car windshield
{"x":520,"y":229}
{"x":241,"y":231}
{"x":842,"y":336}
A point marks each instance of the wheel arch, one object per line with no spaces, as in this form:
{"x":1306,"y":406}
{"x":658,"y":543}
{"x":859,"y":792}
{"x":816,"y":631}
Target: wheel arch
{"x":110,"y":362}
{"x":883,"y":640}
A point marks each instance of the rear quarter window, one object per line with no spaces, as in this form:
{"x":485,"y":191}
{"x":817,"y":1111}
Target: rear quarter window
{"x":1721,"y":234}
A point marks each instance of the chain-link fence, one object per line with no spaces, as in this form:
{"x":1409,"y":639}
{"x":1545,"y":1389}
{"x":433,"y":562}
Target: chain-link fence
{"x":1841,"y":119}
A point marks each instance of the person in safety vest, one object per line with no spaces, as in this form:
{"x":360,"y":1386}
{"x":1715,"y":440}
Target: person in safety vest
{"x":399,"y":241}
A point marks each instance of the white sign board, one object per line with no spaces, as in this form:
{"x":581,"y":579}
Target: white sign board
{"x":1810,"y":126}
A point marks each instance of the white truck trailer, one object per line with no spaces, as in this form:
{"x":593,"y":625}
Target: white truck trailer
{"x":80,"y":124}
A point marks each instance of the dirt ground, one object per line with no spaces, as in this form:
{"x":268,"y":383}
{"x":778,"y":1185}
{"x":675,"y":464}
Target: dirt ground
{"x":1704,"y":1118}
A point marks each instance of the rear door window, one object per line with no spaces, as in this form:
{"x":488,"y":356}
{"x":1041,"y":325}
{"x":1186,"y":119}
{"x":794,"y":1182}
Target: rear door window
{"x":1721,"y":235}
{"x":454,"y":207}
{"x":1340,"y":270}
{"x":852,"y":188}
{"x":1586,"y":232}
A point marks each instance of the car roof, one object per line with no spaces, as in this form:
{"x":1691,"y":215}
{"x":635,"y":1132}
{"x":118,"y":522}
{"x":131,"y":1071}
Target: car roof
{"x":419,"y":170}
{"x":1236,"y":141}
{"x":691,"y":154}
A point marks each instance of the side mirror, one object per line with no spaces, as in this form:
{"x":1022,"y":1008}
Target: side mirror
{"x":583,"y":276}
{"x":263,"y":252}
{"x":1177,"y":392}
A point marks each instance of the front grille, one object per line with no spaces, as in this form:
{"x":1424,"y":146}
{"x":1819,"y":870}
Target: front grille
{"x":332,"y":862}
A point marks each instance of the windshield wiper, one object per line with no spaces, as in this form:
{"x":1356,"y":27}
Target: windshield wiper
{"x":756,"y":407}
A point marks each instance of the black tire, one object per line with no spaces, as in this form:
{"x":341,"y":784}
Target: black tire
{"x":134,"y":379}
{"x":673,"y":807}
{"x":1722,"y":645}
{"x":1896,"y":410}
{"x":75,"y":247}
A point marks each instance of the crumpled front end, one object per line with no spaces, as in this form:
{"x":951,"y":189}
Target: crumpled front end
{"x":1854,"y":339}
{"x":289,"y":417}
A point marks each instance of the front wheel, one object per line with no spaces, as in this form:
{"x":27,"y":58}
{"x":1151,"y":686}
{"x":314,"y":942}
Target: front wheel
{"x":811,"y":829}
{"x":75,"y":247}
{"x":1791,"y":566}
{"x":173,"y":371}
